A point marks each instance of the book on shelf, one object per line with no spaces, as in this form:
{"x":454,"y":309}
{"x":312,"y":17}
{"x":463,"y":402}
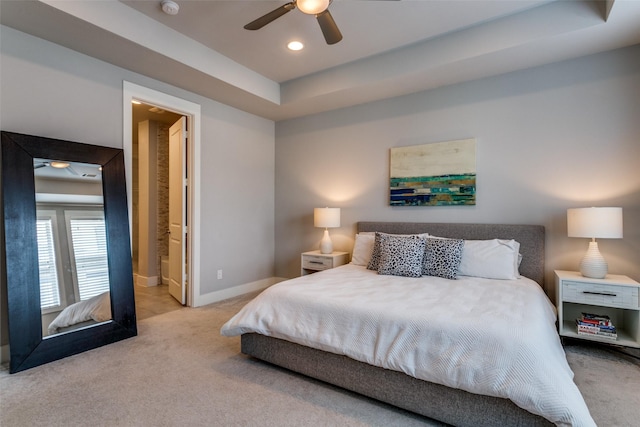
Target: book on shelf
{"x":598,"y":335}
{"x":595,"y":329}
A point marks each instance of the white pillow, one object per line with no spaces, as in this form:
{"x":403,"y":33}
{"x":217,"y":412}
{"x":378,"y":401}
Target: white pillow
{"x":491,"y":259}
{"x":363,"y":248}
{"x":97,"y":308}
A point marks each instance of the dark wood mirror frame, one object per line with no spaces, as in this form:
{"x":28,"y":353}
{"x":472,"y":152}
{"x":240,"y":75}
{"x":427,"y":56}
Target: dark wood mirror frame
{"x":27,"y":346}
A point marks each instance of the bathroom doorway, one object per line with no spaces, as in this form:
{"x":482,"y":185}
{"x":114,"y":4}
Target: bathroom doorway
{"x":151,"y":192}
{"x":163,"y":104}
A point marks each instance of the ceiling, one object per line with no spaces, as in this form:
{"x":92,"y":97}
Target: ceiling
{"x":368,"y":27}
{"x":390,"y":48}
{"x":73,"y":171}
{"x":142,"y":112}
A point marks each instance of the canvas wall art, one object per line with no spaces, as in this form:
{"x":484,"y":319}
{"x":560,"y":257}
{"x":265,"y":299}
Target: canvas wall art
{"x":437,"y":174}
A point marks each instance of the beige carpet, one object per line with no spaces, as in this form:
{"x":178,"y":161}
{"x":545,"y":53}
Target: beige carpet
{"x":179,"y":371}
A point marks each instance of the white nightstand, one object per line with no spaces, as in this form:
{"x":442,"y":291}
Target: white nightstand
{"x":314,"y":261}
{"x":615,"y":296}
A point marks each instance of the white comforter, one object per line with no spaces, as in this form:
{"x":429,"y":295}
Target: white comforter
{"x":484,"y":336}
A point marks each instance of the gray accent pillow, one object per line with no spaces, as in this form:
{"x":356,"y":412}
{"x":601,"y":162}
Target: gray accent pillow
{"x":401,"y":255}
{"x":442,"y":257}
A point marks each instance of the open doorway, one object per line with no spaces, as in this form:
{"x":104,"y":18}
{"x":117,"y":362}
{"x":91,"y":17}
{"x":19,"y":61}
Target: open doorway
{"x":192,"y":153}
{"x":158,"y":206}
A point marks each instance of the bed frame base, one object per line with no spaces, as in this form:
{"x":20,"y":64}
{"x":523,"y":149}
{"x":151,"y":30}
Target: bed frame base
{"x":452,"y":406}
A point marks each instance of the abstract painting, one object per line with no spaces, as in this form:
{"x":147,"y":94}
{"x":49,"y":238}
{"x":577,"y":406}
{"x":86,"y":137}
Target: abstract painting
{"x":437,"y":174}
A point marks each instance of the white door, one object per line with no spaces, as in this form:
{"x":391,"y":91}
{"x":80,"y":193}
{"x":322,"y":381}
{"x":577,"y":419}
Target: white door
{"x":177,"y":208}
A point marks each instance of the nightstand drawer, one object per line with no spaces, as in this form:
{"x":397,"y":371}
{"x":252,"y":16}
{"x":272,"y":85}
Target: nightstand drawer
{"x":316,"y":262}
{"x":597,"y":294}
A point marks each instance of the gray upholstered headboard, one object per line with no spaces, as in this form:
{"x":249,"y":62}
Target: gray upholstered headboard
{"x":530,"y":237}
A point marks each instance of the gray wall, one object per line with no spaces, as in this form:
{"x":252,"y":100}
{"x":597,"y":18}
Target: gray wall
{"x":550,"y":138}
{"x":48,"y":90}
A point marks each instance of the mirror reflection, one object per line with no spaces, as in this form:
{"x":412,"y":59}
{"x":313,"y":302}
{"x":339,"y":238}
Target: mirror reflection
{"x":72,"y":248}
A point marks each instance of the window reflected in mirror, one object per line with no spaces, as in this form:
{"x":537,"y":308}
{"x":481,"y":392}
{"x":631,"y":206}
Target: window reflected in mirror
{"x":72,"y":247}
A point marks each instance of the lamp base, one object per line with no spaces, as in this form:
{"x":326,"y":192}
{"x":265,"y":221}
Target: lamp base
{"x":326,"y":245}
{"x":593,"y":264}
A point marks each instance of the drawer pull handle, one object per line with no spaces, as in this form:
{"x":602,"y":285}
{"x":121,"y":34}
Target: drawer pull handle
{"x":608,"y":294}
{"x":315,"y":262}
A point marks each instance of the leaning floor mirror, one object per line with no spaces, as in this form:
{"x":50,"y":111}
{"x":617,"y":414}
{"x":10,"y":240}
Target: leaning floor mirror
{"x":67,"y":265}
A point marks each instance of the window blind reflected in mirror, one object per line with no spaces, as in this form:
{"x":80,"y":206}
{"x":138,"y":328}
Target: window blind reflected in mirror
{"x":89,"y":255}
{"x":49,"y":285}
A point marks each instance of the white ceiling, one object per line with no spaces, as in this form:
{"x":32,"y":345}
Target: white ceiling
{"x":389,"y":48}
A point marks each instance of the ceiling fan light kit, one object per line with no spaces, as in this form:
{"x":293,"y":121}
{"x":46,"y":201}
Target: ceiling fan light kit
{"x":319,"y":8}
{"x":312,"y":7}
{"x":59,"y":165}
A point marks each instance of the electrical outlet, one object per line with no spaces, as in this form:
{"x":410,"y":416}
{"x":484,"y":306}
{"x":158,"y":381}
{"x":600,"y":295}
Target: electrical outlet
{"x":219,"y":274}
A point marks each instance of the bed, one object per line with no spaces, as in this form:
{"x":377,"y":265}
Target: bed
{"x":479,"y":352}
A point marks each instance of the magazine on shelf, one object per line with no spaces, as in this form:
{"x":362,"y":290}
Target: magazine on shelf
{"x":596,"y":325}
{"x":596,"y":319}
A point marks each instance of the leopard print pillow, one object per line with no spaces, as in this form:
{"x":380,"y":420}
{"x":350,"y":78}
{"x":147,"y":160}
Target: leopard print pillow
{"x":374,"y":261}
{"x":375,"y":253}
{"x":442,"y":257}
{"x":401,"y":256}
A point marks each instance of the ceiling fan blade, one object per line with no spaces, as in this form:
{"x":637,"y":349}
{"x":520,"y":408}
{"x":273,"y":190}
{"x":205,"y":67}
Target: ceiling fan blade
{"x":269,"y":17}
{"x":330,"y":30}
{"x":72,"y":171}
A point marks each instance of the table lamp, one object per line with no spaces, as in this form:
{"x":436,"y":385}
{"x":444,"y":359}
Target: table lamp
{"x":602,"y":223}
{"x":326,"y":218}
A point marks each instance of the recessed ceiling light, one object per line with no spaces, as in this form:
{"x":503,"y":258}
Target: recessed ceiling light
{"x":295,"y":45}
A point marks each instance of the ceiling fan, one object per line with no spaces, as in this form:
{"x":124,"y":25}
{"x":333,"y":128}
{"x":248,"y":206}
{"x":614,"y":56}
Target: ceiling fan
{"x":319,"y":8}
{"x":75,"y":170}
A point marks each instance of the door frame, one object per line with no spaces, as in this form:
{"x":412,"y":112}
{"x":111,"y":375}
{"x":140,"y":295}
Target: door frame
{"x":132,"y":91}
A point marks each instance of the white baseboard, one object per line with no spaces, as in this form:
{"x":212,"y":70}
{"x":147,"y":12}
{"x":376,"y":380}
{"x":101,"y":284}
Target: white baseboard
{"x":216,"y":296}
{"x":146,"y":281}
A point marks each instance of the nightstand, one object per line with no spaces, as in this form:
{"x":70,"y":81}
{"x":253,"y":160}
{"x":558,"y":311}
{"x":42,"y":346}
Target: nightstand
{"x":314,"y":261}
{"x":615,"y":296}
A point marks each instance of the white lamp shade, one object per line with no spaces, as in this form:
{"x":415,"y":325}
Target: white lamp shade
{"x":312,"y":7}
{"x":326,"y":217}
{"x":601,"y":223}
